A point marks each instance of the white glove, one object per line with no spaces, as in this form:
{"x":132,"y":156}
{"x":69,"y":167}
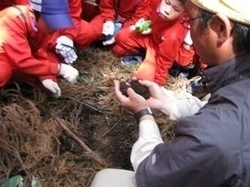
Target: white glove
{"x":109,"y":42}
{"x":108,"y":28}
{"x":52,"y":86}
{"x":69,"y":73}
{"x":65,"y":47}
{"x":110,"y":39}
{"x":188,"y":40}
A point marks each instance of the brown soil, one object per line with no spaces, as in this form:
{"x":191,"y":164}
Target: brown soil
{"x":136,"y":86}
{"x":65,"y":141}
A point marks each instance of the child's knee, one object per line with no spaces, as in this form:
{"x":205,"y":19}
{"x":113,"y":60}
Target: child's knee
{"x":5,"y":75}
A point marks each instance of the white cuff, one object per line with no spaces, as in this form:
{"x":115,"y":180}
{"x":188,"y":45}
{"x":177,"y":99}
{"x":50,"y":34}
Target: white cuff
{"x":149,"y":137}
{"x":186,"y":107}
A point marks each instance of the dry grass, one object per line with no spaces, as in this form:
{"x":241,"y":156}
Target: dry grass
{"x":33,"y":141}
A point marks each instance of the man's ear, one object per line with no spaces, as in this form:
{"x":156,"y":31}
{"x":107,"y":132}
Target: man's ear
{"x":222,"y":26}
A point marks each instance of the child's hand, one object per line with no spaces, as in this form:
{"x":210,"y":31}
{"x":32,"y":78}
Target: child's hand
{"x":65,"y":47}
{"x":108,"y":28}
{"x":142,"y":26}
{"x":53,"y":87}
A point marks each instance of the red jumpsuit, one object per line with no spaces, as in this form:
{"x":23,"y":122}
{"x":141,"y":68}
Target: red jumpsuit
{"x":82,"y":33}
{"x":185,"y":57}
{"x":127,"y":12}
{"x":5,"y":4}
{"x":19,"y":46}
{"x":163,"y":46}
{"x":90,"y":9}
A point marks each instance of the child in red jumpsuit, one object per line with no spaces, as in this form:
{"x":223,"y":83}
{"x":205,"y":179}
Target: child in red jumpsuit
{"x":163,"y":43}
{"x":23,"y":29}
{"x":63,"y":41}
{"x":81,"y":35}
{"x":117,"y":14}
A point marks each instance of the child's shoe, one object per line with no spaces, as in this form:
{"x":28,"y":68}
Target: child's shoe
{"x":131,"y":60}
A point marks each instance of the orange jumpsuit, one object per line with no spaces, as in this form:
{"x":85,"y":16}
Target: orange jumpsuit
{"x":127,"y":12}
{"x":163,"y":46}
{"x":19,"y":46}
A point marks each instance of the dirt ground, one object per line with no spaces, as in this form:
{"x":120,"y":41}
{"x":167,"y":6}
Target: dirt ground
{"x":65,"y":141}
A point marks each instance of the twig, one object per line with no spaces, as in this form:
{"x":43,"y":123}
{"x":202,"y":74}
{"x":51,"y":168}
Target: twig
{"x":107,"y":119}
{"x":87,"y":105}
{"x":107,"y":132}
{"x":79,"y":141}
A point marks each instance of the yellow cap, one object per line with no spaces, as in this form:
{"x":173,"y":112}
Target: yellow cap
{"x":236,"y":10}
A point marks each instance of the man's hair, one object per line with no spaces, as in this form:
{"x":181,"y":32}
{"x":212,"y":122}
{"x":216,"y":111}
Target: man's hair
{"x":240,"y":32}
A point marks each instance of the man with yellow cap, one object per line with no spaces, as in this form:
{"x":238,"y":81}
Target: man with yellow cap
{"x":211,"y":147}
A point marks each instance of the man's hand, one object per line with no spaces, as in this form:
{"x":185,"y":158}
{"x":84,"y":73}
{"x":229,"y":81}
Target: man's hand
{"x":165,"y":101}
{"x":69,"y":73}
{"x":161,"y":98}
{"x":133,"y":102}
{"x":65,"y":47}
{"x":53,"y":87}
{"x":108,"y":28}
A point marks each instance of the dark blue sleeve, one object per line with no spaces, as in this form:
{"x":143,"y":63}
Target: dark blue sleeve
{"x":194,"y":158}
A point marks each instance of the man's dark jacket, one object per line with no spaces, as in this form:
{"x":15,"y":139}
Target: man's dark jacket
{"x":212,"y":147}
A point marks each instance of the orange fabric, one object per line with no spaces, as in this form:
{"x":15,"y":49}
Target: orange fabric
{"x":147,"y":67}
{"x":166,"y":39}
{"x":19,"y":44}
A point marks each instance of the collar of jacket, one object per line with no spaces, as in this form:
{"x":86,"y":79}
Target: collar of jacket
{"x":233,"y":70}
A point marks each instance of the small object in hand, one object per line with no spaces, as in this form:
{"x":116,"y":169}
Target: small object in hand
{"x":66,"y":45}
{"x":136,"y":86}
{"x":143,"y":26}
